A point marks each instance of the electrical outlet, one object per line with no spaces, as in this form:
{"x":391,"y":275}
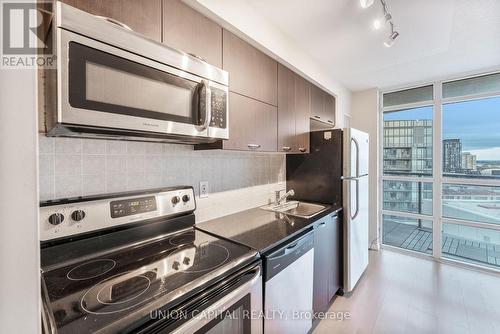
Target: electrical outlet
{"x":203,"y":189}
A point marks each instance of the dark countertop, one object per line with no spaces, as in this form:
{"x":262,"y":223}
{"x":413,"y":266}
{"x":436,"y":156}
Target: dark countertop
{"x":260,"y":229}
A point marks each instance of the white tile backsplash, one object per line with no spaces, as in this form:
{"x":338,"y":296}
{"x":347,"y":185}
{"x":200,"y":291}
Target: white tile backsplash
{"x":67,"y":164}
{"x":75,"y":167}
{"x":68,"y":145}
{"x":94,"y":146}
{"x":94,"y":164}
{"x":93,"y":184}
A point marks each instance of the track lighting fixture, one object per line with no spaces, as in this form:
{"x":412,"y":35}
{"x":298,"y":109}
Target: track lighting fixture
{"x":377,"y":24}
{"x":392,"y":37}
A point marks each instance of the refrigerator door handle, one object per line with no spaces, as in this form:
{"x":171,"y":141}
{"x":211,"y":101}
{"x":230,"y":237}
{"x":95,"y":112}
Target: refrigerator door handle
{"x":355,"y":179}
{"x":357,"y":199}
{"x":357,"y":155}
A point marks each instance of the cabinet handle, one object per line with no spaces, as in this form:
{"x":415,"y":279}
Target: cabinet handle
{"x":286,"y":148}
{"x":253,"y":146}
{"x":330,"y":121}
{"x":302,"y":149}
{"x":316,"y":116}
{"x":322,"y":225}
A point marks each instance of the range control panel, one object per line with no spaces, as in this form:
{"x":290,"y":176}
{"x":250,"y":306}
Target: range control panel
{"x":219,"y":108}
{"x":132,"y":206}
{"x":65,"y":218}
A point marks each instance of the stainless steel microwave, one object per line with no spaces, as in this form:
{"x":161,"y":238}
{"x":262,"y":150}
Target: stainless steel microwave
{"x":115,"y":83}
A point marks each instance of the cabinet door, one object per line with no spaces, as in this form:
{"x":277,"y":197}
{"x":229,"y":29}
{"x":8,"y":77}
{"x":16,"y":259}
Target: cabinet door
{"x":286,"y":109}
{"x":241,"y":122}
{"x":252,"y":125}
{"x":329,"y":112}
{"x":322,"y":105}
{"x":266,"y":132}
{"x":317,"y":103}
{"x":143,"y":16}
{"x":302,"y":114}
{"x":321,"y":268}
{"x":251,"y":72}
{"x":189,"y":31}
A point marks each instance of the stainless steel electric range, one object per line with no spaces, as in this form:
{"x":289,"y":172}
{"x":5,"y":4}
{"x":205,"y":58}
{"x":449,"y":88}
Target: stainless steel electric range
{"x":133,"y":262}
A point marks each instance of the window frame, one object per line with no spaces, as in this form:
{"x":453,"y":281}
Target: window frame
{"x":437,"y":178}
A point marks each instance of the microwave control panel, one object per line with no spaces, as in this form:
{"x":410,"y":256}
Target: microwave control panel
{"x":219,"y":108}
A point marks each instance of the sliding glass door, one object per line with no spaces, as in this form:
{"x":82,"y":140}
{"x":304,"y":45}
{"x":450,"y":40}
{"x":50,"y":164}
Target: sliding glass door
{"x":440,"y":159}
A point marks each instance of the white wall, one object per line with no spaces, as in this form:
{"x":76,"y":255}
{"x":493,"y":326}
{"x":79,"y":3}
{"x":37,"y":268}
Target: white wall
{"x":365,"y":117}
{"x":240,"y":18}
{"x":19,"y":245}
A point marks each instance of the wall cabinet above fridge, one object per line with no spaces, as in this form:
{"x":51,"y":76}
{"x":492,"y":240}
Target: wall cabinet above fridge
{"x":322,"y":106}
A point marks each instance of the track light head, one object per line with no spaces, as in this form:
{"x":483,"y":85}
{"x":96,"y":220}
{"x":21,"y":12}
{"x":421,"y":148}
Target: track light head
{"x":366,"y":3}
{"x":392,"y":38}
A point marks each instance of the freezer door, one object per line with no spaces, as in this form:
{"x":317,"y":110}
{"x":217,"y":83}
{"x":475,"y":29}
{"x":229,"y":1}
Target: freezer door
{"x":355,"y":191}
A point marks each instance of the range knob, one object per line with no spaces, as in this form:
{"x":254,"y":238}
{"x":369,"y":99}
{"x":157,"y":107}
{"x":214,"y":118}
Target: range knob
{"x":186,"y":261}
{"x":186,"y":198}
{"x":56,"y":218}
{"x":176,"y":265}
{"x":78,"y":215}
{"x":175,"y":200}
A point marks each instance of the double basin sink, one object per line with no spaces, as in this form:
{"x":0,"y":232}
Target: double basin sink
{"x":296,"y":208}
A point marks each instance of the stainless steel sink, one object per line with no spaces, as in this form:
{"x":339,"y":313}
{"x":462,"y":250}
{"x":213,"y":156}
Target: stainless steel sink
{"x":296,"y":208}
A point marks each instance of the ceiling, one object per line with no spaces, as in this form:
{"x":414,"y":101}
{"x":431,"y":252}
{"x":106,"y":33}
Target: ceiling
{"x":438,"y":38}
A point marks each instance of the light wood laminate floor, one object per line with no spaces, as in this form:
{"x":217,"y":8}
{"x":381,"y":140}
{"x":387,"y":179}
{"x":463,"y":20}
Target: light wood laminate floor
{"x":404,"y":294}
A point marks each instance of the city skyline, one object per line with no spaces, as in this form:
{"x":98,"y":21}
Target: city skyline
{"x":473,"y":122}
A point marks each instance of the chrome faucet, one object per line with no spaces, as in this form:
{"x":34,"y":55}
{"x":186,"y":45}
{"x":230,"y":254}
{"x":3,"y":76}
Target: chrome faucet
{"x":279,"y":199}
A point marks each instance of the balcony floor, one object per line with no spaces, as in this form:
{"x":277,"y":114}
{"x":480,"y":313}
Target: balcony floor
{"x":420,"y":240}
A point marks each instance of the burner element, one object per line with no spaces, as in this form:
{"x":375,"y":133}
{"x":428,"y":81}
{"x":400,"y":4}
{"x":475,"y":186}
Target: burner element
{"x":91,"y":269}
{"x":118,"y":293}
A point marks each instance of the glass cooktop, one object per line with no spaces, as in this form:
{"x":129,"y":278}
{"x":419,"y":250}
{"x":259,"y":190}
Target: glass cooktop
{"x":120,"y":287}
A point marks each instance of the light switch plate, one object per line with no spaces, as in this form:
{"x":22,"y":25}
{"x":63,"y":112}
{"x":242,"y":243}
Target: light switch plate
{"x":203,"y":189}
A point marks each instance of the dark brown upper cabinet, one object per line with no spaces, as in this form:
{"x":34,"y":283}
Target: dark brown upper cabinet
{"x":322,"y":105}
{"x":252,"y":126}
{"x":251,"y":72}
{"x":143,"y":16}
{"x":293,"y":112}
{"x":187,"y":30}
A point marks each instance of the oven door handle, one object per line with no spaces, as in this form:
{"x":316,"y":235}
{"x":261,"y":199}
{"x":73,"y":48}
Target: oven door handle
{"x":205,"y":87}
{"x":198,"y":322}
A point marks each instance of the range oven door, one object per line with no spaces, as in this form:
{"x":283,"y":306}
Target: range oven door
{"x":233,"y":305}
{"x":105,"y":87}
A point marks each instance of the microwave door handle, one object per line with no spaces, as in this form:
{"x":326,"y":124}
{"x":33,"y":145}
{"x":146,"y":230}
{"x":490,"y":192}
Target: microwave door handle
{"x":208,"y":105}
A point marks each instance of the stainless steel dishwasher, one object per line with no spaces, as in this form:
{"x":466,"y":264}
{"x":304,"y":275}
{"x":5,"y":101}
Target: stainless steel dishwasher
{"x":288,"y":290}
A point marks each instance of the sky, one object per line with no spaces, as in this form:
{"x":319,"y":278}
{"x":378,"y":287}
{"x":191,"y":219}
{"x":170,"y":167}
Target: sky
{"x":476,"y":123}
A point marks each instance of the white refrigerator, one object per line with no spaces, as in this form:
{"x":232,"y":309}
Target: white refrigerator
{"x":335,"y":172}
{"x":355,"y":203}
